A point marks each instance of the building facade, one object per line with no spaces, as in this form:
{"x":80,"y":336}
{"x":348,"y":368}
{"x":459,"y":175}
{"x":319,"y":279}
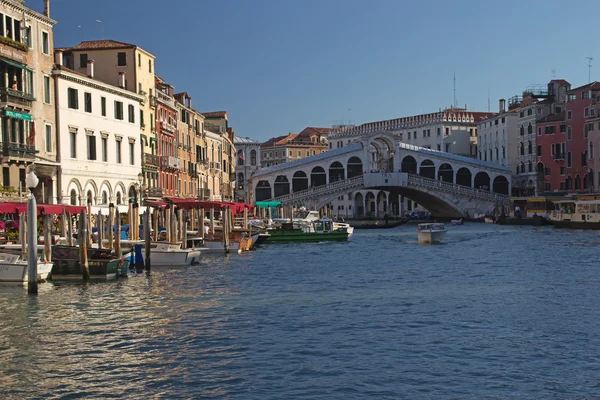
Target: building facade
{"x":247,"y":163}
{"x":188,"y":136}
{"x":27,"y":118}
{"x":311,"y":141}
{"x":115,"y":61}
{"x":220,"y":149}
{"x":166,"y":138}
{"x":551,"y":151}
{"x":99,"y":136}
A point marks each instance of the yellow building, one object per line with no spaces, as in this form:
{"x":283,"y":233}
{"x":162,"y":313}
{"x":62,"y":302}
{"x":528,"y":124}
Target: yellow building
{"x":219,"y":175}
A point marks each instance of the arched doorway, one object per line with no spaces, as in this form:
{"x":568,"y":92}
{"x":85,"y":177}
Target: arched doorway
{"x":263,"y":191}
{"x":446,"y":173}
{"x":90,"y":197}
{"x":359,"y":207}
{"x":427,"y":169}
{"x":381,"y":206}
{"x":355,"y":167}
{"x":240,"y":180}
{"x":73,"y":197}
{"x":132,"y":194}
{"x":464,"y":177}
{"x":119,"y":198}
{"x":318,"y":177}
{"x":409,"y":165}
{"x":299,"y":181}
{"x":370,"y":203}
{"x":500,"y":185}
{"x":336,"y":172}
{"x":482,"y":181}
{"x":577,"y":182}
{"x":281,"y":186}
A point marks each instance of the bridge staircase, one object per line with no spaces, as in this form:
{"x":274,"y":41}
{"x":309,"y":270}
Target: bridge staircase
{"x":325,"y":191}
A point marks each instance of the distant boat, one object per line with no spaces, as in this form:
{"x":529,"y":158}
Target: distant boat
{"x":457,"y":221}
{"x":489,"y":220}
{"x":431,"y":232}
{"x":378,"y":224}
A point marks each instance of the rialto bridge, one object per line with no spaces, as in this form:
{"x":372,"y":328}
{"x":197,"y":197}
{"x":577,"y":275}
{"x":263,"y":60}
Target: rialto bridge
{"x":446,"y":184}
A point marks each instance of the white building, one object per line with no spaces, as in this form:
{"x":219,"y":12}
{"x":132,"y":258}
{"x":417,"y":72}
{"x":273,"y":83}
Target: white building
{"x":248,"y":161}
{"x":98,"y":137}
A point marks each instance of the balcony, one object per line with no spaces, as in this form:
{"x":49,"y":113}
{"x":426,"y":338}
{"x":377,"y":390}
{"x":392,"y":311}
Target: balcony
{"x":154,"y":192}
{"x":558,"y":156}
{"x":170,"y":163}
{"x":166,"y":99}
{"x":151,"y":160}
{"x":152,"y":101}
{"x":16,"y":98}
{"x":215,"y":165}
{"x":165,"y":127}
{"x":14,"y":43}
{"x":17,"y":150}
{"x":204,"y":194}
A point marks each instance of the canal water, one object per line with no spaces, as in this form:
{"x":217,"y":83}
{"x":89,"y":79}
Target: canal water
{"x":495,"y":313}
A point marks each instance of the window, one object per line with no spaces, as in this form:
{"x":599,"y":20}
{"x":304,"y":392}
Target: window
{"x":87,"y":98}
{"x":91,"y":139}
{"x":104,"y":149}
{"x":73,"y":99}
{"x":569,"y":133}
{"x":149,"y":65}
{"x":139,"y":60}
{"x":45,"y":43}
{"x":563,"y":128}
{"x":522,"y":149}
{"x":253,"y":157}
{"x":530,"y":167}
{"x":585,"y":94}
{"x":503,"y":152}
{"x":121,"y":59}
{"x":46,"y":89}
{"x":118,"y":151}
{"x":529,"y":129}
{"x":569,"y":114}
{"x":131,"y":113}
{"x":439,"y":131}
{"x":118,"y":110}
{"x":571,"y":97}
{"x":522,"y":114}
{"x":522,"y":130}
{"x":539,"y":151}
{"x":529,"y":112}
{"x":73,"y":144}
{"x":28,"y":35}
{"x":586,"y":112}
{"x":131,"y":153}
{"x":103,"y":106}
{"x":48,"y":138}
{"x":569,"y":159}
{"x":83,"y":59}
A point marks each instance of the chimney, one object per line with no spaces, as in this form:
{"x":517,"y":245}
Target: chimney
{"x":90,"y":68}
{"x":122,"y":80}
{"x":189,"y":102}
{"x":47,"y":8}
{"x":502,"y":102}
{"x":58,"y":57}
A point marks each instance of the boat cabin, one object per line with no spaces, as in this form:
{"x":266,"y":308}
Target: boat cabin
{"x":563,"y":210}
{"x":431,"y":227}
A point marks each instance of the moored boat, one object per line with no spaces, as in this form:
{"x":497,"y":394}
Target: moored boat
{"x":15,"y":269}
{"x":582,"y":214}
{"x":315,"y":231}
{"x":431,"y":232}
{"x":457,"y":221}
{"x":102,"y":264}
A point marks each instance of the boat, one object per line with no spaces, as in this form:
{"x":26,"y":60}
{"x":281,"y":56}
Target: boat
{"x":489,"y":220}
{"x":315,"y":231}
{"x":164,"y":254}
{"x":343,"y":225}
{"x":240,"y":240}
{"x":431,"y":232}
{"x":102,"y":263}
{"x":15,"y":269}
{"x":378,"y":224}
{"x":457,"y":221}
{"x":576,"y":214}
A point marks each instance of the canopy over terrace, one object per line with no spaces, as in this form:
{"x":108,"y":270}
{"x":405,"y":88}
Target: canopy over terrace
{"x":120,"y":208}
{"x":17,"y":208}
{"x":191,"y":204}
{"x":268,"y":204}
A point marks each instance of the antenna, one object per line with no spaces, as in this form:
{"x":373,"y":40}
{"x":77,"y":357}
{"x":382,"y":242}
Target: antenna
{"x":553,"y":73}
{"x":489,"y":100}
{"x":454,"y":103}
{"x":101,"y":27}
{"x":589,"y":69}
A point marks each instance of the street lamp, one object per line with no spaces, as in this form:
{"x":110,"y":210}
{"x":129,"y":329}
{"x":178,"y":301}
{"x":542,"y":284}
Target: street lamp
{"x":140,"y":180}
{"x":31,"y":181}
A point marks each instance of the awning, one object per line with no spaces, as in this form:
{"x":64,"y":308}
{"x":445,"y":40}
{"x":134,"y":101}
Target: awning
{"x":17,"y":208}
{"x":156,"y":204}
{"x":268,"y":204}
{"x":15,"y":64}
{"x":17,"y":115}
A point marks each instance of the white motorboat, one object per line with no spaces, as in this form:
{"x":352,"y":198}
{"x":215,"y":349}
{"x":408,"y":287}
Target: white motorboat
{"x":342,"y":225}
{"x":14,"y":269}
{"x":431,"y":232}
{"x":457,"y":221}
{"x":489,"y":220}
{"x":166,"y":254}
{"x":235,"y":246}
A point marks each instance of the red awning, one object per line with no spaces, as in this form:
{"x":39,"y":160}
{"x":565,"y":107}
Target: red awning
{"x":9,"y":208}
{"x":17,"y":208}
{"x":157,"y":204}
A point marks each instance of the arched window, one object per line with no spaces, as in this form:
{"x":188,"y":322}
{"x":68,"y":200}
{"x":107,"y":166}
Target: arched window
{"x":73,"y":197}
{"x":530,"y":129}
{"x":591,"y":150}
{"x":577,"y":182}
{"x":253,"y":157}
{"x":529,"y":147}
{"x":522,"y":148}
{"x":240,"y":180}
{"x":104,"y":198}
{"x":530,"y":166}
{"x":522,"y":167}
{"x":522,"y":130}
{"x":241,"y":157}
{"x":569,"y":133}
{"x":569,"y":159}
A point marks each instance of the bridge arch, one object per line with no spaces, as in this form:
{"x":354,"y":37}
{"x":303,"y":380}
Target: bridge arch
{"x":464,"y":177}
{"x":354,"y":167}
{"x":409,"y":165}
{"x":318,"y":177}
{"x":336,"y":172}
{"x":427,"y":169}
{"x":381,"y":205}
{"x":446,"y":173}
{"x":299,"y":181}
{"x":281,"y":187}
{"x":382,"y":148}
{"x":263,"y":191}
{"x":359,"y":206}
{"x":500,"y":185}
{"x":482,"y":181}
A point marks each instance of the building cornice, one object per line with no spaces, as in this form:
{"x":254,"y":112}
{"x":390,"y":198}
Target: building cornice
{"x":28,"y":11}
{"x":92,"y":83}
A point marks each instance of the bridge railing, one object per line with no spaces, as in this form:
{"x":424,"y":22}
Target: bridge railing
{"x":417,"y":180}
{"x":321,"y":190}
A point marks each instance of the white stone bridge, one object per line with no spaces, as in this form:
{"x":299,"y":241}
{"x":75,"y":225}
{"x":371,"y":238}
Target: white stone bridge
{"x":448,"y":185}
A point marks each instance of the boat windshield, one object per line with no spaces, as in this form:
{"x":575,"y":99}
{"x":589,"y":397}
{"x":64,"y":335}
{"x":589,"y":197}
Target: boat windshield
{"x":301,"y":214}
{"x":437,"y":227}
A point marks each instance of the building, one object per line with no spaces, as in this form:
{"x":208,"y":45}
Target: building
{"x":219,"y":176}
{"x":167,"y":139}
{"x":189,"y":132}
{"x":248,"y":161}
{"x":98,"y":138}
{"x":27,"y":120}
{"x":551,"y":150}
{"x":118,"y":60}
{"x":594,"y":145}
{"x":581,"y":111}
{"x":311,"y":141}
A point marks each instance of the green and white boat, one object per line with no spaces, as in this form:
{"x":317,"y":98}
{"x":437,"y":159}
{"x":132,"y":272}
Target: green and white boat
{"x":313,"y":231}
{"x":102,"y":263}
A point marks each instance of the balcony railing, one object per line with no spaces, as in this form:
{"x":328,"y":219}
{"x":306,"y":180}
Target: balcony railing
{"x":151,"y":160}
{"x":16,"y":97}
{"x":165,"y":127}
{"x":154,"y":192}
{"x":168,"y":100}
{"x":215,"y":165}
{"x":17,"y":150}
{"x":152,"y":101}
{"x":559,"y":156}
{"x":169,"y":162}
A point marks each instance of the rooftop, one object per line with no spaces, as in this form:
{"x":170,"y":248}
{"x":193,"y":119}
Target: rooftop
{"x":215,"y":114}
{"x":244,"y":140}
{"x":559,"y":117}
{"x":99,"y":45}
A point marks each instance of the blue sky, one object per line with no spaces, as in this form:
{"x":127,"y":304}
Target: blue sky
{"x":278,"y":66}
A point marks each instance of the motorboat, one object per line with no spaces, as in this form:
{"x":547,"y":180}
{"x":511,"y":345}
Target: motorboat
{"x":457,"y":221}
{"x":315,"y":231}
{"x":489,"y":220}
{"x":167,"y":254}
{"x":576,"y":214}
{"x":431,"y":232}
{"x":15,"y":269}
{"x":343,"y":225}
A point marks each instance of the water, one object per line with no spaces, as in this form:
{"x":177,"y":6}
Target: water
{"x":496,"y":313}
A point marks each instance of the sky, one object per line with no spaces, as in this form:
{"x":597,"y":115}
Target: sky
{"x":278,"y":66}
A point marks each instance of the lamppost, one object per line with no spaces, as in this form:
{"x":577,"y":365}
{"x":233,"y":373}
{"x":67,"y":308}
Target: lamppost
{"x":140,"y":186}
{"x":31,"y":181}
